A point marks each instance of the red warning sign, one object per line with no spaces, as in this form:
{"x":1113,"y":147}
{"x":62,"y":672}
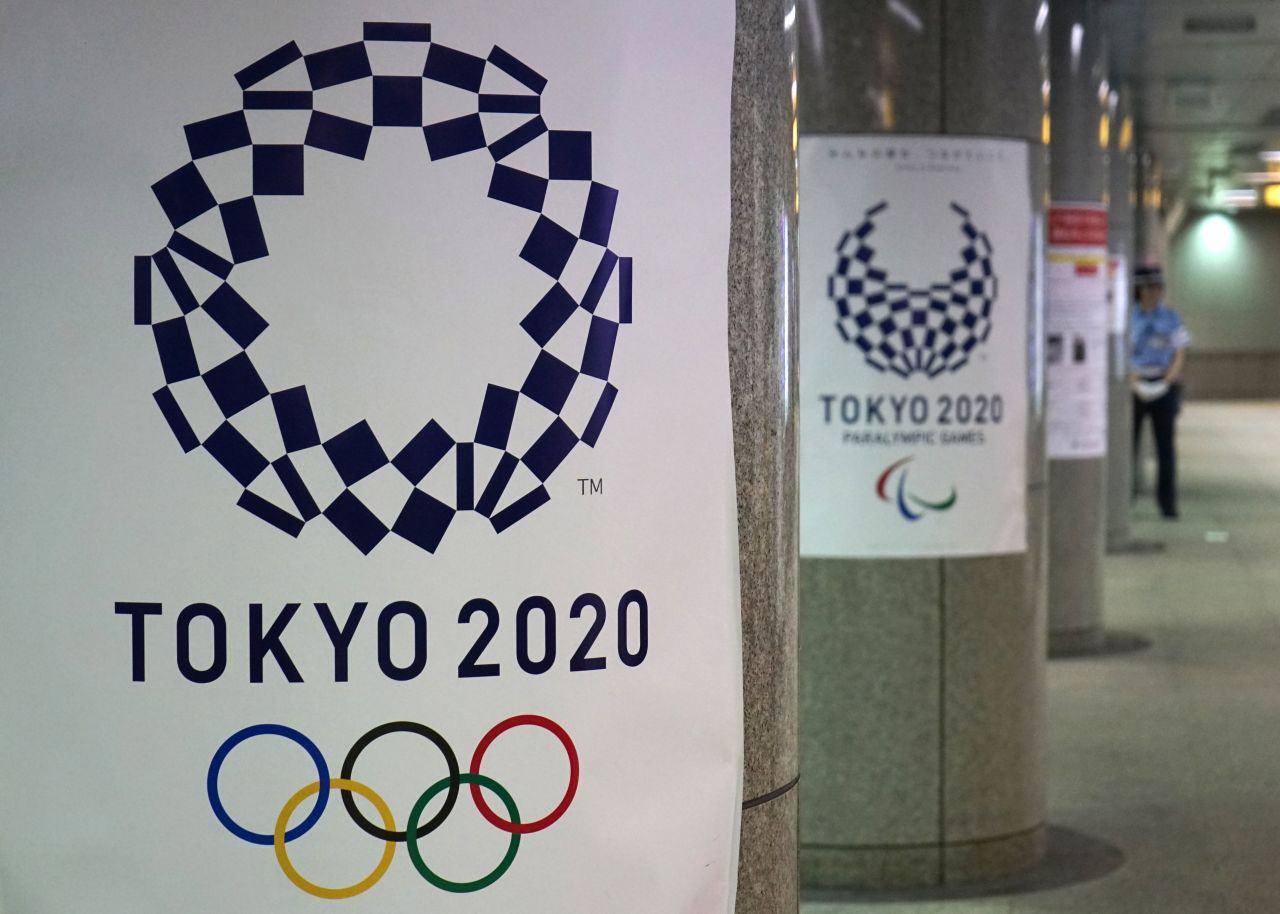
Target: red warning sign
{"x":1078,"y":225}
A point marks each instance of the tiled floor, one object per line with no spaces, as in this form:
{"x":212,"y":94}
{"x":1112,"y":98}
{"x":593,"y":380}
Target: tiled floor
{"x":1172,"y":754}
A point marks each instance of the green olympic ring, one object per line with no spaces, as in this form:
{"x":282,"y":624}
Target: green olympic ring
{"x":416,"y":855}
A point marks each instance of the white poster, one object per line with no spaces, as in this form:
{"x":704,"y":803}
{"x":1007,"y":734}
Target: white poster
{"x":1118,"y":297}
{"x":369,"y":530}
{"x":1118,"y":304}
{"x":915,"y":266}
{"x":1077,"y":320}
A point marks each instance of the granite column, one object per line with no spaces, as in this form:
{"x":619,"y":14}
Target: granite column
{"x":1077,"y":476}
{"x":922,"y":679}
{"x":762,"y":355}
{"x":1121,"y":210}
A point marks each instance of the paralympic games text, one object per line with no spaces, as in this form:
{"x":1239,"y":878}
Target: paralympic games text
{"x":536,"y":643}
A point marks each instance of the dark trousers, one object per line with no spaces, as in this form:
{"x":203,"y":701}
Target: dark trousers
{"x":1163,"y":413}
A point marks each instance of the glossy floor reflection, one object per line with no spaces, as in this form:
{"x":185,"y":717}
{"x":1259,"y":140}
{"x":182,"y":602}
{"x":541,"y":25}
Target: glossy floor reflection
{"x":1172,"y":754}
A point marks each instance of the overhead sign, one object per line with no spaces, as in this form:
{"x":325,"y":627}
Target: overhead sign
{"x":1077,"y":320}
{"x":346,"y":357}
{"x":915,"y":268}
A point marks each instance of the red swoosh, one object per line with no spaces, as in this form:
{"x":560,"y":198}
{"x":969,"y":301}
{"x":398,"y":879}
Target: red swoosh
{"x":884,"y":478}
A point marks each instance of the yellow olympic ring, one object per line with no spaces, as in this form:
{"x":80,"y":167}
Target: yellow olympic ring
{"x":320,"y":891}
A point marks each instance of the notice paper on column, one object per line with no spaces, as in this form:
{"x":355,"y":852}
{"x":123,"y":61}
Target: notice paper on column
{"x":369,"y":533}
{"x":1118,"y":303}
{"x":1077,"y":319}
{"x":916,"y":265}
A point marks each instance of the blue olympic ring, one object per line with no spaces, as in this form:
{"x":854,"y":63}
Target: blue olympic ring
{"x":215,"y":768}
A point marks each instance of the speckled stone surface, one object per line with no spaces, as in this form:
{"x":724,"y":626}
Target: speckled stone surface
{"x":870,"y":867}
{"x":762,"y":338}
{"x":870,"y":689}
{"x":994,"y":857}
{"x":768,"y":838}
{"x":922,"y":695}
{"x":1077,"y":536}
{"x":1078,"y":164}
{"x":990,"y":53}
{"x":1078,"y":174}
{"x":994,"y":694}
{"x":864,"y":69}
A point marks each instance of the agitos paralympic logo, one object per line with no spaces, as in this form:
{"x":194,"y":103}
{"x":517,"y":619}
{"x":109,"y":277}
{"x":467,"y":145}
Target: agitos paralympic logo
{"x":415,"y":829}
{"x":907,"y":500}
{"x":911,"y":329}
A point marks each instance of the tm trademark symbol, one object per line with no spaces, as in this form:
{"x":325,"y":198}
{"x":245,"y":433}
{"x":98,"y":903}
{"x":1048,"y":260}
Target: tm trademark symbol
{"x":588,"y":486}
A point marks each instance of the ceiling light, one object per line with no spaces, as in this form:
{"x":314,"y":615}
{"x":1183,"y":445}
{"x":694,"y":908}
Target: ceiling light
{"x":906,"y":14}
{"x":1238,"y":197}
{"x":1216,"y":234}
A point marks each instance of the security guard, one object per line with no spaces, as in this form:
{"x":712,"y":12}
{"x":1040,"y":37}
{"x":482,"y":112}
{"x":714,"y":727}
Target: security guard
{"x":1159,"y":342}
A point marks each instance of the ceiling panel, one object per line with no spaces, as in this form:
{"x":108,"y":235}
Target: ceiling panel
{"x":1206,"y":103}
{"x":1208,"y":59}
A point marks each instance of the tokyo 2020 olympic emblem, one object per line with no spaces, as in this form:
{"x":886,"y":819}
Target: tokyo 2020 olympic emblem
{"x":907,"y":329}
{"x":265,"y":464}
{"x":414,"y":829}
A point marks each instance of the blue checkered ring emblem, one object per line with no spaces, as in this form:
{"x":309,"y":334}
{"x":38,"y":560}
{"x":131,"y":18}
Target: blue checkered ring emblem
{"x":279,"y":471}
{"x":906,"y":329}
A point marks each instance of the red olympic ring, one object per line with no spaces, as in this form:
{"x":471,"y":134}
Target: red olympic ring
{"x":525,"y":828}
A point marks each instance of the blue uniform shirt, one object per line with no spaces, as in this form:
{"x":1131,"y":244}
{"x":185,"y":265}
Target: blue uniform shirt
{"x":1155,"y":336}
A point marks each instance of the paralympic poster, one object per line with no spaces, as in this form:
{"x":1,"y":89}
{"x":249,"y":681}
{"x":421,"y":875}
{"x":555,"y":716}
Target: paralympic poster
{"x":369,"y":535}
{"x":916,"y":280}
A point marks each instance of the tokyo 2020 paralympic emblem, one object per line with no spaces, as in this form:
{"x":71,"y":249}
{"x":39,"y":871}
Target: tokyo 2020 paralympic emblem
{"x":910,"y":505}
{"x":414,"y":829}
{"x":906,"y":329}
{"x":238,"y":384}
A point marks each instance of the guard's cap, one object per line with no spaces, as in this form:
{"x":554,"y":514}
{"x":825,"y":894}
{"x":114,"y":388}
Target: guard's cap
{"x":1148,"y":275}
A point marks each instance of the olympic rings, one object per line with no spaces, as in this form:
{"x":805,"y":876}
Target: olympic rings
{"x":414,"y":829}
{"x":476,"y":781}
{"x":401,"y":726}
{"x":215,"y":768}
{"x":514,"y":826}
{"x":282,"y":855}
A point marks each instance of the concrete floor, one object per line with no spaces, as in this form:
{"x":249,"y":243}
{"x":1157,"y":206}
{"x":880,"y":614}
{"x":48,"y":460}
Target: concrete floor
{"x":1172,"y":754}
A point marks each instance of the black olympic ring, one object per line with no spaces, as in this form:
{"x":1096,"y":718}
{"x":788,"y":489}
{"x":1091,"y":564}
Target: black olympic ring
{"x":402,"y":726}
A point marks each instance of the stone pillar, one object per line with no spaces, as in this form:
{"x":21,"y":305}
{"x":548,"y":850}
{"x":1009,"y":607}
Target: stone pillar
{"x":1077,"y":174}
{"x":1152,"y":243}
{"x":1121,"y":210}
{"x":922,"y":680}
{"x":762,"y":339}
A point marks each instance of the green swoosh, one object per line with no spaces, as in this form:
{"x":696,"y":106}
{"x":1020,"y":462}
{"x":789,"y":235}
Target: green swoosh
{"x":937,"y":506}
